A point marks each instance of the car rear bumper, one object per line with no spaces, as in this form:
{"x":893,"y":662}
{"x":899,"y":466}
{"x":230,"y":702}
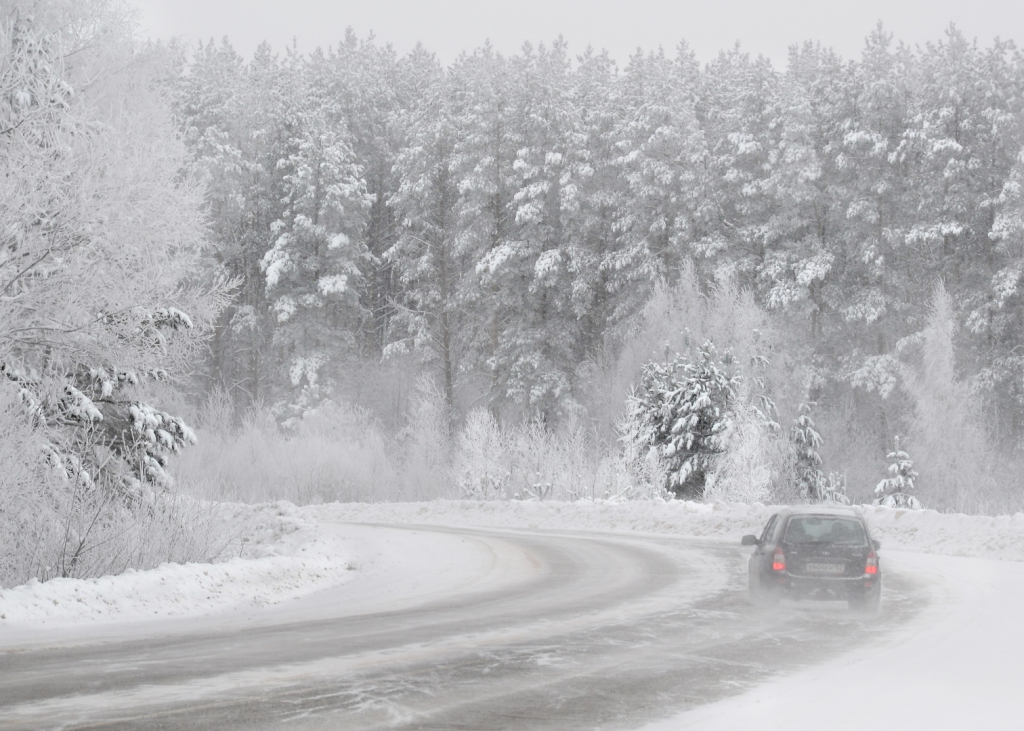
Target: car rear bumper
{"x":819,"y":587}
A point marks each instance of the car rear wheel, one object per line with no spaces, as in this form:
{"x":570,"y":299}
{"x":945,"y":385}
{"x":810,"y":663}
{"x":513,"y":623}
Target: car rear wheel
{"x":761,"y":595}
{"x":867,"y":602}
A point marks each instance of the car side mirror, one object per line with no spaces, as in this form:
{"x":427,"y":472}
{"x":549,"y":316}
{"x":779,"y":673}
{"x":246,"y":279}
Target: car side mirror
{"x":749,"y":541}
{"x":876,"y":544}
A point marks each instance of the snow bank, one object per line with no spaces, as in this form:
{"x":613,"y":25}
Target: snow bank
{"x":924,"y":531}
{"x":284,"y":555}
{"x":949,"y":534}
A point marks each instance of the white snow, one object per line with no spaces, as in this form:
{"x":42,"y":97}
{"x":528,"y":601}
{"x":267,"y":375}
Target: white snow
{"x":912,"y":530}
{"x":955,"y":666}
{"x":286,"y":556}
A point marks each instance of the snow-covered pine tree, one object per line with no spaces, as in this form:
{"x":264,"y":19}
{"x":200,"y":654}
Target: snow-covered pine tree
{"x":530,"y":275}
{"x":662,"y":155}
{"x":894,"y":490}
{"x":490,"y":133}
{"x":425,"y":257}
{"x":312,"y":270}
{"x":680,"y":412}
{"x":232,"y":118}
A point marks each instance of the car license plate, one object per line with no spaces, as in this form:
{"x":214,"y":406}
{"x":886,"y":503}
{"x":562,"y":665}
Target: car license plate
{"x":825,"y":568}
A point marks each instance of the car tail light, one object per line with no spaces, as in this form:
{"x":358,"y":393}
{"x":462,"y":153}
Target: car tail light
{"x":778,"y":560}
{"x":871,"y":567}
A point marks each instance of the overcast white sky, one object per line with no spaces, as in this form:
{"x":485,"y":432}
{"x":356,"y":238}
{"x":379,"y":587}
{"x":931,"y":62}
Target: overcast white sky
{"x":448,"y":27}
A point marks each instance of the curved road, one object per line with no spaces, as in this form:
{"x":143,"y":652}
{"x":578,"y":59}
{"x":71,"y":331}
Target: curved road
{"x":555,"y":631}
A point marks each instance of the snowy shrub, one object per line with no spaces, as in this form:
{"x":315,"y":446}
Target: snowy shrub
{"x":756,"y":464}
{"x":680,"y":411}
{"x":833,"y":489}
{"x":481,"y":463}
{"x":531,"y":462}
{"x":741,"y":473}
{"x":425,"y":445}
{"x":56,"y":525}
{"x":337,"y":452}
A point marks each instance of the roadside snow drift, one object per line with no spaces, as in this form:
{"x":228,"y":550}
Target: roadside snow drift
{"x":925,"y":531}
{"x":285,"y":556}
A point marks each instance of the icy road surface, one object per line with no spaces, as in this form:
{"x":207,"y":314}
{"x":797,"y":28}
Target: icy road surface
{"x":453,"y":628}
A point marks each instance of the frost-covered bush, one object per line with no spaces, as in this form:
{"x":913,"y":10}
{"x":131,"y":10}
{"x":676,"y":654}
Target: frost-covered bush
{"x":482,"y":460}
{"x":530,"y":462}
{"x":742,"y":473}
{"x":757,"y":463}
{"x":337,"y":452}
{"x":833,"y":489}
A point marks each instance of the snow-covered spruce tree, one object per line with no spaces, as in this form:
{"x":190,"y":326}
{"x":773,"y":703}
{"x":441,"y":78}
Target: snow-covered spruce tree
{"x":806,"y":440}
{"x":99,"y":236}
{"x":894,"y":490}
{"x":680,"y":412}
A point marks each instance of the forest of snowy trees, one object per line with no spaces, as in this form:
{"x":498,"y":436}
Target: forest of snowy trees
{"x":509,"y":225}
{"x":360,"y":275}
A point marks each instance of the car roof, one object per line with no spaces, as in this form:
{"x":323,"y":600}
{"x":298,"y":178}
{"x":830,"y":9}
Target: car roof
{"x":819,"y":510}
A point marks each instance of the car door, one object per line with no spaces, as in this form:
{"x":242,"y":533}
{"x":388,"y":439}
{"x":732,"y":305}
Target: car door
{"x":765,"y":546}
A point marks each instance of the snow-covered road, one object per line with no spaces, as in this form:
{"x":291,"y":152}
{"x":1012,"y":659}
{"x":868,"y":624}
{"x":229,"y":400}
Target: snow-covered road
{"x":544,"y":625}
{"x":449,"y":628}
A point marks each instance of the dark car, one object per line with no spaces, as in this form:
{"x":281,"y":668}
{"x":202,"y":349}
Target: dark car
{"x":815,"y":553}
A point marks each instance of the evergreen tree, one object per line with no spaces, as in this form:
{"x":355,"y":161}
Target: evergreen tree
{"x":681,"y":414}
{"x":810,"y":480}
{"x":313,"y":268}
{"x":895,"y":490}
{"x":430,"y":269}
{"x":232,"y":116}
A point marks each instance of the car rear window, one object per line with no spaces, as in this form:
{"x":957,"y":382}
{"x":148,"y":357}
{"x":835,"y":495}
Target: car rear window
{"x":825,"y":529}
